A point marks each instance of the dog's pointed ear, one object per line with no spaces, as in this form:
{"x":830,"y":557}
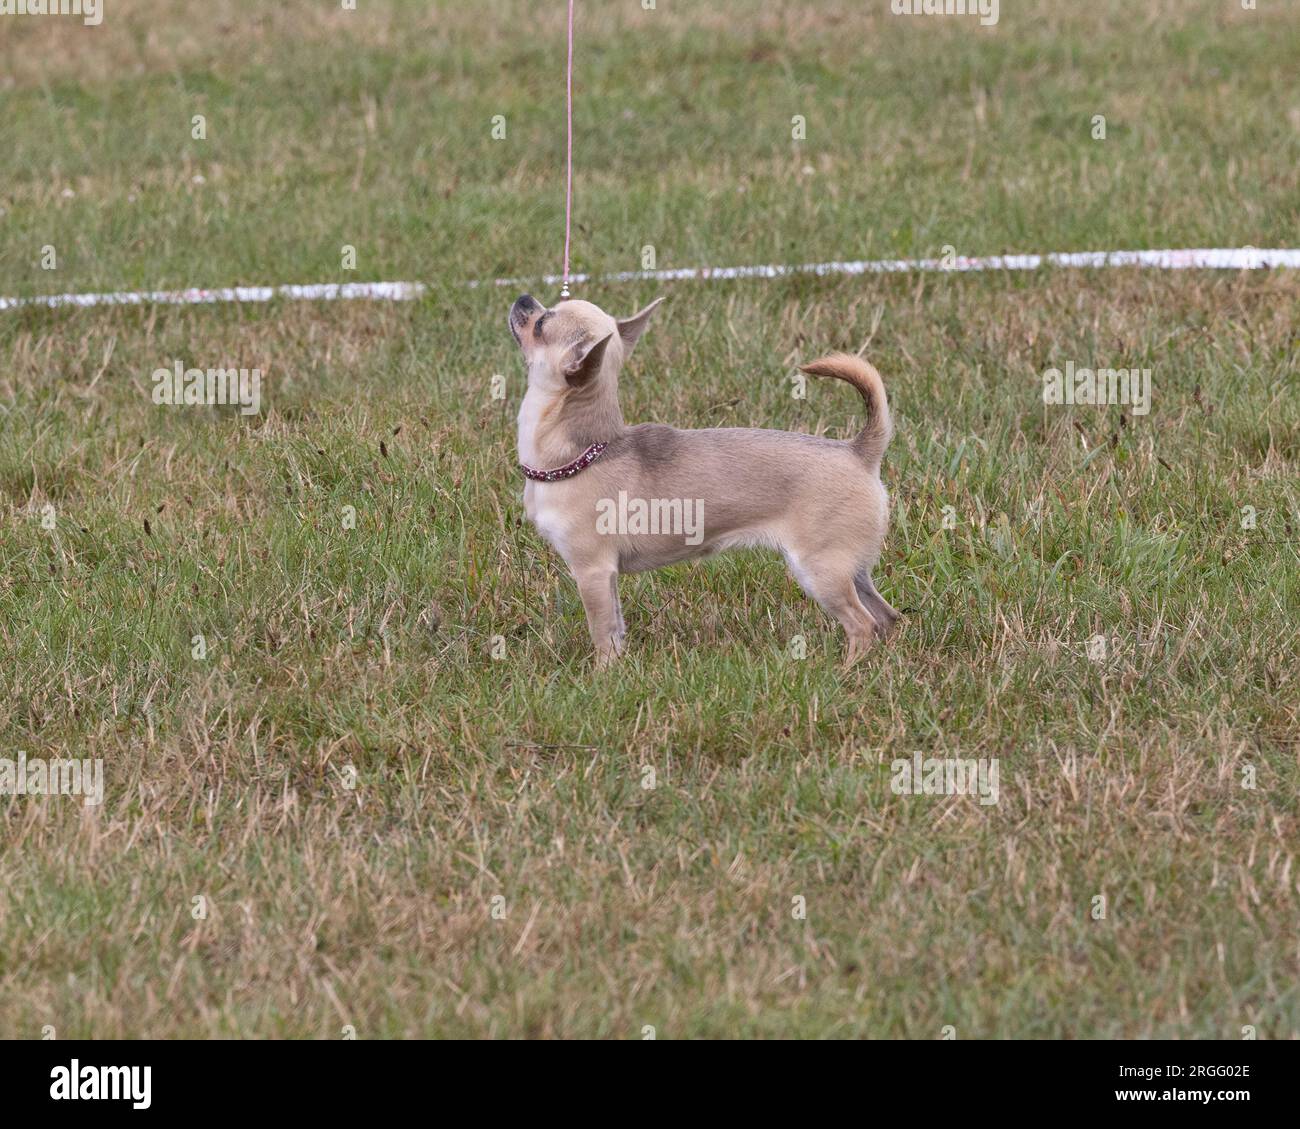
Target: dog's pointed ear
{"x":583,"y":361}
{"x":630,"y":329}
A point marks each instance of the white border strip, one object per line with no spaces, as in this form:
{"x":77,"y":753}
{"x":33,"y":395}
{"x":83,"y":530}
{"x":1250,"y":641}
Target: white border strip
{"x":1232,"y":258}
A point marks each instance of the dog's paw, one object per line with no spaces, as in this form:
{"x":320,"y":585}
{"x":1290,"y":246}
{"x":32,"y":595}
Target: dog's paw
{"x":858,"y":646}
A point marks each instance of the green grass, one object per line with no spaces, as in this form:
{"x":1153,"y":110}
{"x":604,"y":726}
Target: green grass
{"x":333,"y":650}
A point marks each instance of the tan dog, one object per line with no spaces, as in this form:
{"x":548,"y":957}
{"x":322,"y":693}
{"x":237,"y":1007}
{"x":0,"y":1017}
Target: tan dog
{"x":612,"y":498}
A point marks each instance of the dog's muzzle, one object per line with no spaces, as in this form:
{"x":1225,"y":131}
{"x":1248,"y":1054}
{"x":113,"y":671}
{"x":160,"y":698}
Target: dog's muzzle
{"x":523,"y":309}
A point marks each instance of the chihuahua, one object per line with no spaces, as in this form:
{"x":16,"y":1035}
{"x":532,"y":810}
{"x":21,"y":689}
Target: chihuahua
{"x":612,"y":498}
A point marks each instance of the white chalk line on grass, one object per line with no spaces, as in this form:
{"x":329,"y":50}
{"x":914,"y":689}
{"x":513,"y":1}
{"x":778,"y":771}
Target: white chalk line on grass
{"x":1231,"y":258}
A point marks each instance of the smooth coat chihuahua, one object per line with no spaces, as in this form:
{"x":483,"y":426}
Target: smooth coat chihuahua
{"x":818,"y":501}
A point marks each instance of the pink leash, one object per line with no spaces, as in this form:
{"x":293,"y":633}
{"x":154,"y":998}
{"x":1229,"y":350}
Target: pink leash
{"x":568,"y":195}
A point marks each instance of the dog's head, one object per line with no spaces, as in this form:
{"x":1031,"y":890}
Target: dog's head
{"x":570,"y":345}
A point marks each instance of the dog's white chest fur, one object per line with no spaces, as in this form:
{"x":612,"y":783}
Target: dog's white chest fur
{"x":549,"y":518}
{"x":539,"y":501}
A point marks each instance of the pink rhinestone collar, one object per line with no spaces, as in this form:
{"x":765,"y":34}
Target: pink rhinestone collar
{"x":589,"y":456}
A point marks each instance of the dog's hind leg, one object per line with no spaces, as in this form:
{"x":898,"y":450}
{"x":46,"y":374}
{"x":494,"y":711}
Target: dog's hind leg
{"x":885,"y":616}
{"x":833,"y":588}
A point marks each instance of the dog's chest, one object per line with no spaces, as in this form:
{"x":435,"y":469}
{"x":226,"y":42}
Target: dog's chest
{"x":539,"y":498}
{"x":545,"y":515}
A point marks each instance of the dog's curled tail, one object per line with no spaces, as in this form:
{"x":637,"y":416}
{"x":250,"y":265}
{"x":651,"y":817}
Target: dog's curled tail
{"x":872,"y":440}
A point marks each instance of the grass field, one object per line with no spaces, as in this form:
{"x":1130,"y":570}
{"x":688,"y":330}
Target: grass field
{"x":394,"y":831}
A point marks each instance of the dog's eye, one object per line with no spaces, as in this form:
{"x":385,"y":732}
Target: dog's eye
{"x":537,"y":325}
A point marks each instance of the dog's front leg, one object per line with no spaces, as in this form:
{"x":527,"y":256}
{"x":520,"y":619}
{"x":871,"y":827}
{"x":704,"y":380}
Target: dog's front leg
{"x":598,"y":588}
{"x":621,"y":628}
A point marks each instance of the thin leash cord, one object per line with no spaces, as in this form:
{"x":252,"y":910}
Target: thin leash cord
{"x":568,"y":194}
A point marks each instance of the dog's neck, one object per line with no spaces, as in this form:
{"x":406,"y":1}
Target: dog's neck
{"x":555,"y":428}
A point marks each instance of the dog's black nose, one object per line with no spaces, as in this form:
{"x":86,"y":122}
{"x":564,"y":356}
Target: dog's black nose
{"x":524,"y":308}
